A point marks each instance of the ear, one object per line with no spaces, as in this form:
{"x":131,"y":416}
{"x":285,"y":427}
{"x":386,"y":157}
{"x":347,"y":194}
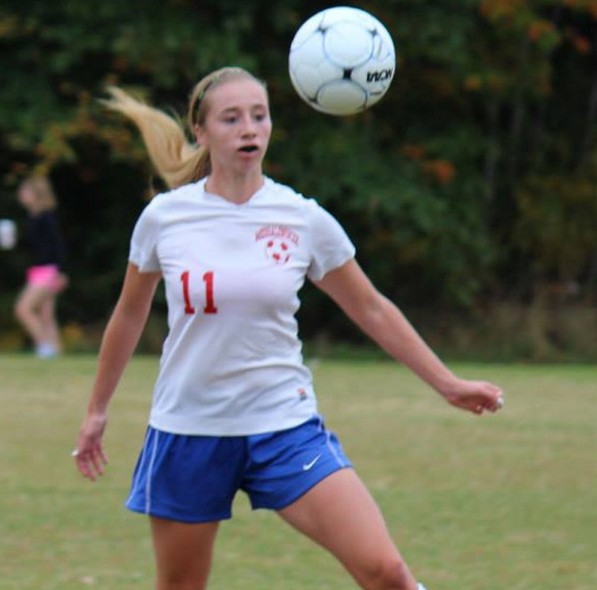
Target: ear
{"x":200,"y":136}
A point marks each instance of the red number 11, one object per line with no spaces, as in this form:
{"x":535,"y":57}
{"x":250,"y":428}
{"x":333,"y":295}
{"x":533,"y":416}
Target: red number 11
{"x":208,"y":279}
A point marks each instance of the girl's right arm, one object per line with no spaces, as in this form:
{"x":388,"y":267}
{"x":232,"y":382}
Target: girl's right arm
{"x":118,"y":344}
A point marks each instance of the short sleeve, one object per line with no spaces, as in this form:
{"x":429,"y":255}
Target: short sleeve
{"x":330,"y":245}
{"x":143,"y":248}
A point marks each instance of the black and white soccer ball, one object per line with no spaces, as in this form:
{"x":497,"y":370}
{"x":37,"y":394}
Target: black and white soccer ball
{"x":342,"y":60}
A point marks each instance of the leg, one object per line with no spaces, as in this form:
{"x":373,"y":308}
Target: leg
{"x":49,"y":325}
{"x":27,"y":309}
{"x":183,"y":553}
{"x":340,"y":514}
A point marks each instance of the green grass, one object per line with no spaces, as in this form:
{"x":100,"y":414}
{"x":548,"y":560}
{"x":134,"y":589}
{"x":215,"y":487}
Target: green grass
{"x":474,"y":503}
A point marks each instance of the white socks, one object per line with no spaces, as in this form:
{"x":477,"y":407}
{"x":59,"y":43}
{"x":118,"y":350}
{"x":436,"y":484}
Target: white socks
{"x":46,"y":351}
{"x":421,"y":587}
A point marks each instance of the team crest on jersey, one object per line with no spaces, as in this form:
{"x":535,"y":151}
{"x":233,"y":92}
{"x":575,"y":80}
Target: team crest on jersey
{"x":279,"y":242}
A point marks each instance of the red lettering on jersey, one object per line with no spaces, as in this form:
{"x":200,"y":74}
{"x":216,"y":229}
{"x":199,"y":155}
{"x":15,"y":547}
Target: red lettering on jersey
{"x":277,"y":231}
{"x":208,"y":279}
{"x":184,"y":278}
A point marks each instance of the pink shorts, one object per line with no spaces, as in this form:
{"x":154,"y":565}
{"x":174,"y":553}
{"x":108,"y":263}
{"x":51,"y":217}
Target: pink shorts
{"x":47,"y":276}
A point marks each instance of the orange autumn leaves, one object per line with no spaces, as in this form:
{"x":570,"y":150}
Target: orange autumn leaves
{"x":439,"y":170}
{"x":522,"y":15}
{"x":510,"y":8}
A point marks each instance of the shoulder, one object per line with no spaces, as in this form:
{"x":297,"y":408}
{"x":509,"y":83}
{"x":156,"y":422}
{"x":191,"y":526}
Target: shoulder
{"x":169,"y":202}
{"x":176,"y":196}
{"x":45,"y":218}
{"x":47,"y":215}
{"x":284,"y":194}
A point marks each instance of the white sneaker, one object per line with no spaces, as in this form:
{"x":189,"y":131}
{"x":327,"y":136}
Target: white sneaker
{"x":46,"y":351}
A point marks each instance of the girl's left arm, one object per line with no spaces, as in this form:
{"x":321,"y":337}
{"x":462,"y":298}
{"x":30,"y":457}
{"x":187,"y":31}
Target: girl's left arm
{"x":383,"y":321}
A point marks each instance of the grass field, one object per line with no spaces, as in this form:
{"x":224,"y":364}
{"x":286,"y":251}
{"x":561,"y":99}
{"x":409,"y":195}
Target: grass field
{"x":492,"y":503}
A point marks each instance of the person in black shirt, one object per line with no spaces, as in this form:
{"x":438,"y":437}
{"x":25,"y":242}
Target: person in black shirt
{"x":35,"y":307}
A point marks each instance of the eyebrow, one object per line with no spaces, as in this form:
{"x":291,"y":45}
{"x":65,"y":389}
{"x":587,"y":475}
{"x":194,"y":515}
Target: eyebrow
{"x":234,"y":110}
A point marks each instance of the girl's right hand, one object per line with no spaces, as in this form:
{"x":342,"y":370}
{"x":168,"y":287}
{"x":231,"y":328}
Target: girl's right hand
{"x":89,"y":454}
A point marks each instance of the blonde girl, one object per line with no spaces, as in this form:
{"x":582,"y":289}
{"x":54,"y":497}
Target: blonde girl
{"x":234,"y":406}
{"x":35,"y":307}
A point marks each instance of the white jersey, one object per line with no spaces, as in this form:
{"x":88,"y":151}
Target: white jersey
{"x":232,"y":362}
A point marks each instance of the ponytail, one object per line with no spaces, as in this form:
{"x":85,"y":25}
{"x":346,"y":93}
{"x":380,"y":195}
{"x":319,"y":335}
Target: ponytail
{"x":175,"y":159}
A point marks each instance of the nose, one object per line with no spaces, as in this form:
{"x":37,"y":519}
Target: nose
{"x":248,"y":128}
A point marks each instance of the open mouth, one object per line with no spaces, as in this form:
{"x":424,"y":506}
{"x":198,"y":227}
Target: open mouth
{"x":247,"y":149}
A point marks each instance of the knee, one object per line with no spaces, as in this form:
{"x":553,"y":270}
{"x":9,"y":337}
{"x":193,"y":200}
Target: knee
{"x":21,"y":309}
{"x":177,"y":583}
{"x":390,"y":573}
{"x":181,"y":579}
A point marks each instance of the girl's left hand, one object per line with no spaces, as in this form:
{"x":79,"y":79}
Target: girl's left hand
{"x":476,"y":396}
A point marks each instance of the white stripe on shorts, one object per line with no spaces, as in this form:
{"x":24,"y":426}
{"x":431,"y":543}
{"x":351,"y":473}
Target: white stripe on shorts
{"x":135,"y":483}
{"x":330,"y":446}
{"x":150,"y":472}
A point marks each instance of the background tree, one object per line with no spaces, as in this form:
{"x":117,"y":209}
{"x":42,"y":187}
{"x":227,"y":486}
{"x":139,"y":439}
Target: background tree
{"x":472,"y":180}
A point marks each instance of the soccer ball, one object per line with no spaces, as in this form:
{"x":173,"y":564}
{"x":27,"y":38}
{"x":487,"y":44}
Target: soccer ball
{"x":341,"y":61}
{"x":278,"y":251}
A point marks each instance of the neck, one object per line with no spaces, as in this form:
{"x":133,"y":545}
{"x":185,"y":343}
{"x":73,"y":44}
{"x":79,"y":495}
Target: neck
{"x":236,"y":189}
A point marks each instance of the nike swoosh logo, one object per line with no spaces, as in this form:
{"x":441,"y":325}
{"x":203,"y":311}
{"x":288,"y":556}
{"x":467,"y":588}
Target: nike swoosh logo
{"x":307,"y":466}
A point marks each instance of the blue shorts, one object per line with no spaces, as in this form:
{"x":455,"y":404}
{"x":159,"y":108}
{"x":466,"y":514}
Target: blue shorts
{"x":195,"y":478}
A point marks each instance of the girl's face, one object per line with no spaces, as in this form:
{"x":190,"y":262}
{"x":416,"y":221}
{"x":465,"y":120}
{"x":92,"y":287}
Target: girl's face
{"x":237,"y":126}
{"x":28,"y":197}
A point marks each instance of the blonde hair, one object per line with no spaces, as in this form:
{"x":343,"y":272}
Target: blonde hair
{"x":175,"y":158}
{"x":45,"y":198}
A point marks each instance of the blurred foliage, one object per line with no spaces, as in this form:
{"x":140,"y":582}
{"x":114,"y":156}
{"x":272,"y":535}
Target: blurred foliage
{"x":556,"y":224}
{"x":474,"y":178}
